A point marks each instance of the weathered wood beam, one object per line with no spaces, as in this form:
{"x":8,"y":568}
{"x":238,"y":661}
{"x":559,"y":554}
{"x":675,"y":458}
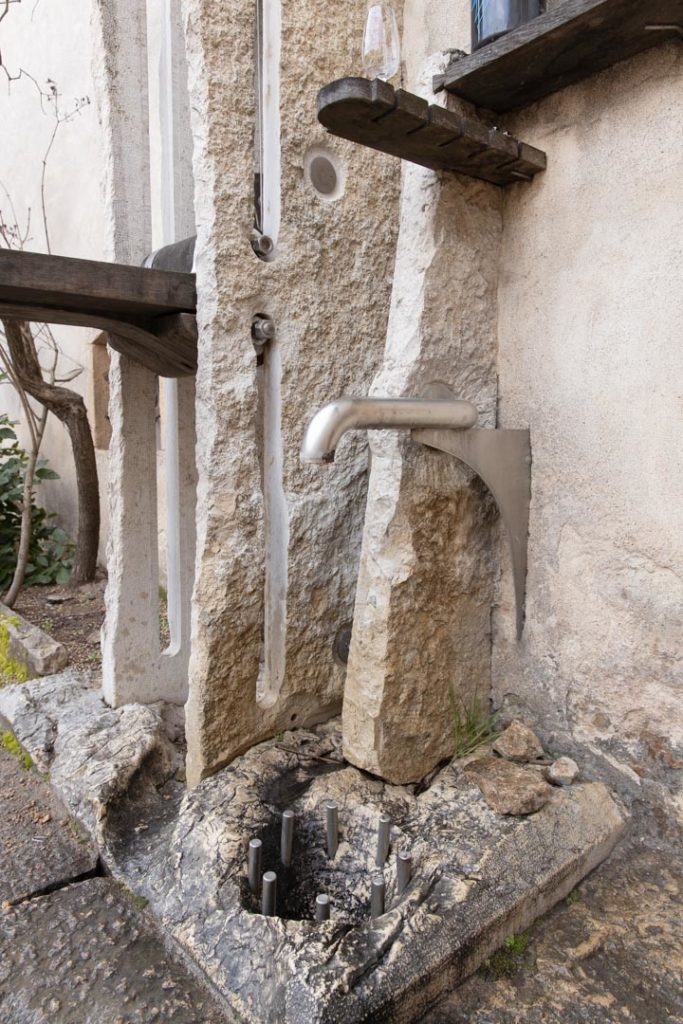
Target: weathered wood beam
{"x":89,"y":286}
{"x":373,"y":114}
{"x":573,"y":40}
{"x":148,"y":314}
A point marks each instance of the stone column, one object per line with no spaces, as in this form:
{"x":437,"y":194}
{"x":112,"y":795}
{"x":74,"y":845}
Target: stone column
{"x":278,"y":543}
{"x":421,"y":638}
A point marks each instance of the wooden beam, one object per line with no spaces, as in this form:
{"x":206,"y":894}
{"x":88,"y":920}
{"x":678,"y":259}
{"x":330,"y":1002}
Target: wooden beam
{"x":148,"y":314}
{"x":573,"y":40}
{"x":88,"y":286}
{"x":166,"y":345}
{"x":392,"y":121}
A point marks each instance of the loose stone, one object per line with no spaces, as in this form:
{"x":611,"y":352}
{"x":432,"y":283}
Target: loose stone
{"x":508,"y":788}
{"x":519,"y":743}
{"x":562,"y":772}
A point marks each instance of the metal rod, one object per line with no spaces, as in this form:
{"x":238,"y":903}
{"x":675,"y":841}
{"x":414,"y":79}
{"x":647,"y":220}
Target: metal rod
{"x":269,"y":894}
{"x":287,"y":838}
{"x":254,"y":864}
{"x":383,"y":837}
{"x":404,"y":869}
{"x":377,"y":893}
{"x":332,"y":827}
{"x":322,"y":907}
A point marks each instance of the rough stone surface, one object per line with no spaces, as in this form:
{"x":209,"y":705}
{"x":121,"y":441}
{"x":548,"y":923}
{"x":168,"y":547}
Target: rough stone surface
{"x":30,"y":646}
{"x":83,"y":955}
{"x":39,"y":843}
{"x":562,"y":772}
{"x":278,"y":548}
{"x":93,"y":753}
{"x":477,"y":875}
{"x":610,"y":954}
{"x":586,"y":309}
{"x":421,"y":635}
{"x":508,"y":788}
{"x":519,"y":743}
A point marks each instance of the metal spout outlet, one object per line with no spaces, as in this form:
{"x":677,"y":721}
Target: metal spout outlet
{"x":330,"y":423}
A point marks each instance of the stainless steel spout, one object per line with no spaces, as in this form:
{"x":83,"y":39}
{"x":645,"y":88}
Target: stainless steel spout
{"x":332,"y":421}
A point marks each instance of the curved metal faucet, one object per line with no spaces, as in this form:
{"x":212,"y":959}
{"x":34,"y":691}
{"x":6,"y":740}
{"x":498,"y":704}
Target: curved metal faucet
{"x":332,"y":421}
{"x":502,"y":458}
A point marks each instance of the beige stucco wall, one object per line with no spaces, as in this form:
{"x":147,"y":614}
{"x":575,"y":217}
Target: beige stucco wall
{"x":590,"y":328}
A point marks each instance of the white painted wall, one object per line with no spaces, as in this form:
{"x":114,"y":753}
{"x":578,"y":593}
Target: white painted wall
{"x":53,"y":41}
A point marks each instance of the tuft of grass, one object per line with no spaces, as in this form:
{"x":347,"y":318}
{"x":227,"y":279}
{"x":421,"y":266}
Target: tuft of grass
{"x":473,"y":724}
{"x":573,"y":898}
{"x":510,"y":958}
{"x":12,"y":745}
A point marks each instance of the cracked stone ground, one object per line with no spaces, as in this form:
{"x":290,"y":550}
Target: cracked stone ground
{"x":74,"y":946}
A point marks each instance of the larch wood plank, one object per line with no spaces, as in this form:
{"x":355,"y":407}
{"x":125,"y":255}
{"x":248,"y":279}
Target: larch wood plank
{"x":575,"y":39}
{"x":403,"y":125}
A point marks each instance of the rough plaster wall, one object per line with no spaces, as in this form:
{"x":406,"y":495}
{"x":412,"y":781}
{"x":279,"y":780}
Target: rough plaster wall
{"x":421,"y":633}
{"x":590,"y":329}
{"x":53,"y":40}
{"x":328,"y":292}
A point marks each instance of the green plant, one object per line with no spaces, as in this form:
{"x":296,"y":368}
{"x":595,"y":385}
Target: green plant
{"x":473,"y":723}
{"x":573,"y":898}
{"x":13,"y":746}
{"x":50,"y":551}
{"x":509,"y":959}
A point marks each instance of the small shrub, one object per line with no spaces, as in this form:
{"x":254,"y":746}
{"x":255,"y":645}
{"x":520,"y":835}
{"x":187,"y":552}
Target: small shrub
{"x":50,"y":554}
{"x":573,"y":898}
{"x":510,"y":958}
{"x":473,"y":724}
{"x":14,"y":747}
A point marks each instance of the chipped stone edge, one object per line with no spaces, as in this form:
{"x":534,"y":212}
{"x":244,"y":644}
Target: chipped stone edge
{"x":31,"y":646}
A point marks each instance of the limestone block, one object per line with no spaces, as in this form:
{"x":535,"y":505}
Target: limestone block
{"x":31,"y":646}
{"x":421,"y":635}
{"x":278,"y":543}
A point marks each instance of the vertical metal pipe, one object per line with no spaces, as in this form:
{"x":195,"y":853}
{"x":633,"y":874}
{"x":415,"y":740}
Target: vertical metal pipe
{"x":377,"y":894}
{"x":254,"y":864}
{"x":404,"y":869}
{"x":383,"y":837}
{"x":332,"y":827}
{"x":287,"y":838}
{"x":269,"y":894}
{"x":322,"y":907}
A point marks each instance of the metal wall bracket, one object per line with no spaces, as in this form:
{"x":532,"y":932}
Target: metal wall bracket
{"x":502,"y":458}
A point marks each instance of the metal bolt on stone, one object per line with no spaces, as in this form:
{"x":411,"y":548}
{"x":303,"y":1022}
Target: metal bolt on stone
{"x":322,"y":907}
{"x":377,"y":894}
{"x":383,"y":838}
{"x":404,"y":870}
{"x":332,"y":828}
{"x":263,"y":245}
{"x":287,"y":838}
{"x":269,"y":894}
{"x":254,"y":864}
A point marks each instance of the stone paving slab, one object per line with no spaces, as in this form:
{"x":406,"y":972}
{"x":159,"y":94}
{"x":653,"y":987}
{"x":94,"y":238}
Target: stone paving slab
{"x":40,"y":845}
{"x":85,"y":955}
{"x":610,"y":954}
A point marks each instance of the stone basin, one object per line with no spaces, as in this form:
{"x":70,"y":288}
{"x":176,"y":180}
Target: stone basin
{"x":478,"y":875}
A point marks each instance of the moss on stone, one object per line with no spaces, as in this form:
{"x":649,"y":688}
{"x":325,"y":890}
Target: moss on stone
{"x":11,"y":670}
{"x":12,"y":745}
